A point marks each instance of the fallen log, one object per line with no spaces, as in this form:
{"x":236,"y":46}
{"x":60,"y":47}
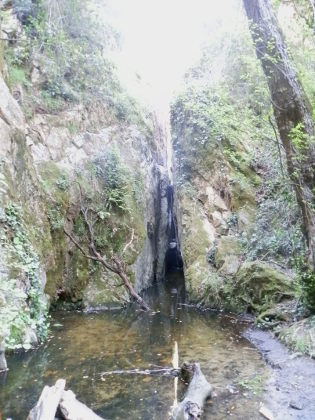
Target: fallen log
{"x":72,"y":409}
{"x":199,"y":390}
{"x":48,"y":402}
{"x":55,"y":401}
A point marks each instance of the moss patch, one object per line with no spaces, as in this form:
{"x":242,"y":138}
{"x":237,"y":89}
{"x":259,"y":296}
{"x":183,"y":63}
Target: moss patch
{"x":300,"y":336}
{"x":257,"y":287}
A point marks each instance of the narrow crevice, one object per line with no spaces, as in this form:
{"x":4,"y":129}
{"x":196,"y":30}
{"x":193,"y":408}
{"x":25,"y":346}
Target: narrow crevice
{"x":173,"y":257}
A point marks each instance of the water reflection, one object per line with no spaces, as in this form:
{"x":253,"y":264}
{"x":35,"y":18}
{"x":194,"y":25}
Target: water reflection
{"x":87,"y":344}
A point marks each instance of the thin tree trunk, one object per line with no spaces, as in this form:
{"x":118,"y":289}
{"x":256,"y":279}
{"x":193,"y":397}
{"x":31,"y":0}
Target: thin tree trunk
{"x":126,"y":282}
{"x":313,"y":8}
{"x":291,"y":110}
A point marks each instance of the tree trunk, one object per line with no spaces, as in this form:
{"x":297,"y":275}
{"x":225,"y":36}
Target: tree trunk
{"x":313,"y":9}
{"x":72,"y":409}
{"x":198,"y":392}
{"x":120,"y":270}
{"x":55,"y":402}
{"x":291,"y":110}
{"x":47,"y":405}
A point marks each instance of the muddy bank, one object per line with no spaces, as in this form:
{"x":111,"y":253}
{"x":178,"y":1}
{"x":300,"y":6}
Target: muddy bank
{"x":290,"y":390}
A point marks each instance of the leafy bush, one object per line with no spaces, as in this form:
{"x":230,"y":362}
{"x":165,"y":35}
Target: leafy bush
{"x":114,"y":175}
{"x":22,"y":309}
{"x":14,"y":315}
{"x":67,"y":44}
{"x":307,"y":279}
{"x":277,"y":233}
{"x":25,"y":9}
{"x":16,"y":75}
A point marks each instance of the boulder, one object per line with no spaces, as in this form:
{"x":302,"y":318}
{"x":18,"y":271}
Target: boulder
{"x":215,"y":200}
{"x":230,"y":266}
{"x":246,"y":217}
{"x":219,"y":223}
{"x":258,"y":284}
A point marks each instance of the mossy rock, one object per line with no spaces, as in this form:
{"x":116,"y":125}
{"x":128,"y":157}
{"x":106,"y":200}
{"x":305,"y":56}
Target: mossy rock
{"x":284,"y":311}
{"x":211,"y":289}
{"x":197,"y":237}
{"x":227,"y":246}
{"x":258,"y":286}
{"x":102,"y":292}
{"x":195,"y":275}
{"x":300,"y":336}
{"x":246,"y":219}
{"x":242,"y":192}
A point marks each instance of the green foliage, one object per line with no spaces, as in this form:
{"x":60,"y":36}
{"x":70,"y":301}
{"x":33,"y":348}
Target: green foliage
{"x":276,"y":235}
{"x":22,"y":309}
{"x":14,"y":315}
{"x":300,"y":141}
{"x":16,"y":76}
{"x":223,"y":137}
{"x":298,"y":137}
{"x":254,"y":384}
{"x":115,"y":177}
{"x":221,"y":114}
{"x":50,"y":103}
{"x":68,"y":46}
{"x":25,"y":9}
{"x":56,"y":218}
{"x":299,"y":336}
{"x":299,"y":36}
{"x":206,"y":123}
{"x":62,"y":183}
{"x":307,"y":279}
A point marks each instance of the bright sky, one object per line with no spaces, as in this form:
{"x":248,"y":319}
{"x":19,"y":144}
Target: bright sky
{"x":161,"y":39}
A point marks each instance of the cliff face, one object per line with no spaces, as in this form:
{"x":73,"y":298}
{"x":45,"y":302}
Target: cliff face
{"x":238,"y":221}
{"x":53,"y":163}
{"x":42,"y":165}
{"x":222,"y":212}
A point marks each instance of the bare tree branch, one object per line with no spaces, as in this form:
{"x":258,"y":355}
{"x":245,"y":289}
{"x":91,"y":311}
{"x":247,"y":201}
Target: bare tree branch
{"x":278,"y":144}
{"x":130,"y":242}
{"x":117,"y":265}
{"x":76,"y":243}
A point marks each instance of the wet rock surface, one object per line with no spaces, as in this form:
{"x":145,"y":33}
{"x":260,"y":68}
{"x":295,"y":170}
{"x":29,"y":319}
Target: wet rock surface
{"x":291,"y":387}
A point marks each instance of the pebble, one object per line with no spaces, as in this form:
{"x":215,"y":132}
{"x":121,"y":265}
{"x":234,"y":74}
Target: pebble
{"x":296,"y":405}
{"x":265,"y":412}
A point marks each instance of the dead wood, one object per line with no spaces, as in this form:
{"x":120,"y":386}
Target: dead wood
{"x":55,"y":400}
{"x":115,"y":265}
{"x":167,"y":371}
{"x":47,"y":405}
{"x":72,"y":409}
{"x":199,"y":390}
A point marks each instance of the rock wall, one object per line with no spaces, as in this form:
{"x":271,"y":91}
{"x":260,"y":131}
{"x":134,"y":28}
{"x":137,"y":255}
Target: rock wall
{"x":43,"y":161}
{"x":57,"y":155}
{"x":219,"y":182}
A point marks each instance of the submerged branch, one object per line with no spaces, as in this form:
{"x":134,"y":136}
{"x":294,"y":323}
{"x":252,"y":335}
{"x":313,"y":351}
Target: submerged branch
{"x":167,"y":371}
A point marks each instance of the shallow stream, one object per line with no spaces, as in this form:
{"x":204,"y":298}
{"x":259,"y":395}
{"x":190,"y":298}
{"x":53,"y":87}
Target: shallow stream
{"x":83,"y":346}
